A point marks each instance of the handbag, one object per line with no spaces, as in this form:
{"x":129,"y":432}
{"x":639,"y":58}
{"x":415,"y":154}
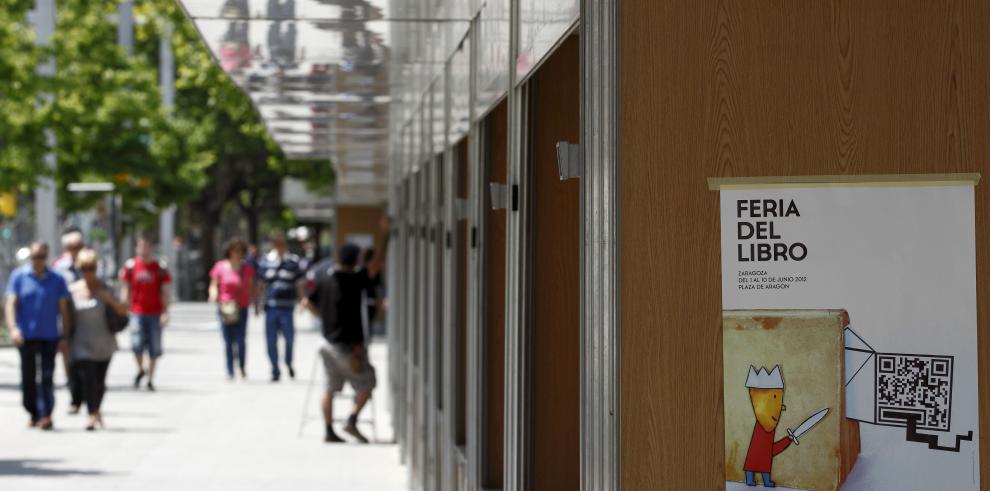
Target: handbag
{"x":230,"y":310}
{"x":230,"y":313}
{"x":115,"y":322}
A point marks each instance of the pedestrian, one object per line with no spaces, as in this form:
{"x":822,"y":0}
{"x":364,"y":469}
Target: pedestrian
{"x":65,"y":265}
{"x":280,"y":276}
{"x":338,"y":299}
{"x":144,"y":281}
{"x":232,"y":288}
{"x":36,"y":296}
{"x":92,"y":337}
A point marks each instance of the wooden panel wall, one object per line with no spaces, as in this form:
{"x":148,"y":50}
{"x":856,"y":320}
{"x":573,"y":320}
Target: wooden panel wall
{"x":741,"y":88}
{"x":555,"y":402}
{"x":497,"y":159}
{"x":357,"y":220}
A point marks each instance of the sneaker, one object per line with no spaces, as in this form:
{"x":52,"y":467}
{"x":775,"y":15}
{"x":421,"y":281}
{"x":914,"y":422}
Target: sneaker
{"x":276,"y":377}
{"x":351,"y":429}
{"x":46,"y":424}
{"x":137,"y":379}
{"x":151,"y":386}
{"x":332,"y":438}
{"x":292,"y":372}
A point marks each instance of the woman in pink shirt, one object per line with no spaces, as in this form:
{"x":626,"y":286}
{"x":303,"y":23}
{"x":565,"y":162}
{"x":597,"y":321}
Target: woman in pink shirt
{"x":232,"y":287}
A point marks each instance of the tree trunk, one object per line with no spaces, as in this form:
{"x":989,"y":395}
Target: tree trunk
{"x":252,"y":213}
{"x":253,"y":217}
{"x":209,"y":221}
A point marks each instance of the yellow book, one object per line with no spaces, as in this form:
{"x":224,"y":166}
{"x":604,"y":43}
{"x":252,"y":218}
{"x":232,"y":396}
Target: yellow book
{"x":784,"y":398}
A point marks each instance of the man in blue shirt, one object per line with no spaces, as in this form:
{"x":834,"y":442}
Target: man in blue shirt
{"x":280,"y":274}
{"x":36,"y":296}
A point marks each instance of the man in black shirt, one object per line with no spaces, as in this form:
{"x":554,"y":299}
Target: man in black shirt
{"x":338,"y":299}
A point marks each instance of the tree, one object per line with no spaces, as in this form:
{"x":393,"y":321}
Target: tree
{"x":242,"y":165}
{"x":109,"y":119}
{"x":209,"y":152}
{"x":22,"y":139}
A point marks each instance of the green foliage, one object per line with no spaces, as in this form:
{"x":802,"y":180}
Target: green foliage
{"x":107,"y":110}
{"x":22,"y":141}
{"x":210,"y":150}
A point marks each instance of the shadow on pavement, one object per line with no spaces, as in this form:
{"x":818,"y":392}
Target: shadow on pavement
{"x":129,"y":414}
{"x":116,"y":429}
{"x":142,"y":390}
{"x":36,"y":468}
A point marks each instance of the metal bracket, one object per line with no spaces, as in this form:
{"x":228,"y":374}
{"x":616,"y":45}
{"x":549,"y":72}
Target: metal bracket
{"x":568,"y":160}
{"x":499,"y":195}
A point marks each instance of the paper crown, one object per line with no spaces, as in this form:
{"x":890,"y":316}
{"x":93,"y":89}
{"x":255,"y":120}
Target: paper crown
{"x":761,"y":379}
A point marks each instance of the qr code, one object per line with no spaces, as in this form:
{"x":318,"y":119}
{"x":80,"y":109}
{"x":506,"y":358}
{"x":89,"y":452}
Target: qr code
{"x":914,"y":387}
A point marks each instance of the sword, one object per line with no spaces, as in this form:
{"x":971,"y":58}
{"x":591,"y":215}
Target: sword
{"x":807,"y":425}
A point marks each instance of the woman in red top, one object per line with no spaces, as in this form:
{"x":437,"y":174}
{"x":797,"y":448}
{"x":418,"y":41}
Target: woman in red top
{"x":232,"y":287}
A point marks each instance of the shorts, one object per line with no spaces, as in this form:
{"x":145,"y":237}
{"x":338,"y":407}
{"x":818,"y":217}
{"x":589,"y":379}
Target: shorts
{"x":337,"y":363}
{"x":146,"y":332}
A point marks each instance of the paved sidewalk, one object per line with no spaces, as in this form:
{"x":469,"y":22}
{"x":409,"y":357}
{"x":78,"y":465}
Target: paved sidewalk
{"x":198,"y":431}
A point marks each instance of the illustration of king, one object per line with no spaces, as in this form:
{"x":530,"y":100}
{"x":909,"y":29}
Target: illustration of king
{"x":766,"y":393}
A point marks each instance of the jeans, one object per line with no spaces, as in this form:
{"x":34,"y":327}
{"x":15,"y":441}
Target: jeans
{"x":93,"y":382}
{"x":38,"y":405}
{"x":235,"y":334}
{"x":146,"y":332}
{"x":279,"y":319}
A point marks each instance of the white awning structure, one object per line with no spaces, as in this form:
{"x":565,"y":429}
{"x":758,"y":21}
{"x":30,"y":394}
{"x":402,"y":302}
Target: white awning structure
{"x":322,"y":74}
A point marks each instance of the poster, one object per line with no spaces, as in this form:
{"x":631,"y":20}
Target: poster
{"x":849,"y":335}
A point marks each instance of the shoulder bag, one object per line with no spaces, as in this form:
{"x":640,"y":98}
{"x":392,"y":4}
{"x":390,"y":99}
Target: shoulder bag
{"x":230,"y":310}
{"x":115,"y":322}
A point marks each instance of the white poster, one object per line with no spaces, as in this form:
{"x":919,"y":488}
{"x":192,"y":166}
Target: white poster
{"x":849,"y":336}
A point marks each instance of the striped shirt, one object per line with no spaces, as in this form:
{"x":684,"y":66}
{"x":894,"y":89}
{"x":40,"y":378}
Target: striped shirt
{"x":280,"y":274}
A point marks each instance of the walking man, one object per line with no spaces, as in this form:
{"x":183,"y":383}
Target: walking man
{"x":36,"y":296}
{"x":145,"y":282}
{"x":65,"y":265}
{"x":338,"y":298}
{"x":281,"y":277}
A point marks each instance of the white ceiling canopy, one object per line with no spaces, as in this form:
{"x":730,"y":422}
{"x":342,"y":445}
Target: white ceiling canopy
{"x":318,"y":73}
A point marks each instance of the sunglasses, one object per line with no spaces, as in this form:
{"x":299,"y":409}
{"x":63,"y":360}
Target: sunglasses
{"x":39,"y":257}
{"x":88,"y":269}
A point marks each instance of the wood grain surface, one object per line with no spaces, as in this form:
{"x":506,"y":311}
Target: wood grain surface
{"x":739,"y":88}
{"x":497,"y":160}
{"x":361,"y":220}
{"x":555,"y":324}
